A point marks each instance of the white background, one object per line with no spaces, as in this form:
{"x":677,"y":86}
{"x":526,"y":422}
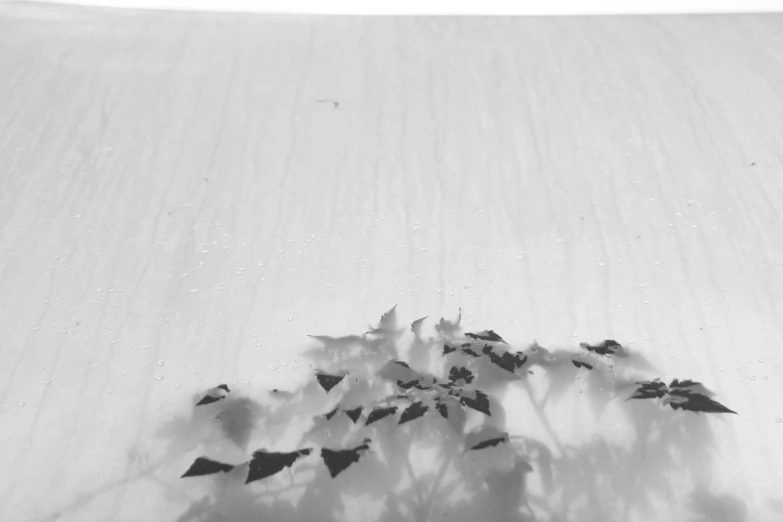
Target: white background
{"x":489,"y":7}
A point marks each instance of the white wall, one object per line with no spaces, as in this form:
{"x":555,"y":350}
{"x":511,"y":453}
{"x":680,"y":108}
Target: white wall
{"x":530,"y":7}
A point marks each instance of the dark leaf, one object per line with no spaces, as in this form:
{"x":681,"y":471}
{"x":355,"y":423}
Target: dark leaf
{"x":379,"y":413}
{"x":204,"y":466}
{"x":265,"y":464}
{"x":505,"y":361}
{"x":414,"y":411}
{"x":460,"y":372}
{"x":338,"y":461}
{"x":696,"y":402}
{"x":470,"y":352}
{"x":690,"y":386}
{"x":447,"y":348}
{"x":224,"y":387}
{"x":519,"y":359}
{"x":485,"y":437}
{"x":354,"y":413}
{"x":487,"y":443}
{"x":208,"y":399}
{"x":580,"y":364}
{"x":606,"y":347}
{"x":451,"y":410}
{"x":328,"y":381}
{"x":650,"y":390}
{"x":332,"y":413}
{"x":480,"y":402}
{"x":487,"y":335}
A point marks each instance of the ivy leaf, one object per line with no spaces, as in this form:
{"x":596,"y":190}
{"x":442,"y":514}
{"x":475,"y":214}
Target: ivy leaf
{"x":379,"y":413}
{"x":470,"y":352}
{"x":204,"y":466}
{"x":519,"y":359}
{"x":479,"y":401}
{"x":265,"y":464}
{"x":580,"y":364}
{"x":605,"y":348}
{"x":328,"y":381}
{"x":447,"y":349}
{"x":460,"y":372}
{"x":654,"y":389}
{"x":338,"y":461}
{"x":354,"y":413}
{"x":332,"y":413}
{"x":414,"y":411}
{"x":486,"y":335}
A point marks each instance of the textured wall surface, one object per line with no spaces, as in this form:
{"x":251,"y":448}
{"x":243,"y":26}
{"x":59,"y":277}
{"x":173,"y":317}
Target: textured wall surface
{"x":184,"y":197}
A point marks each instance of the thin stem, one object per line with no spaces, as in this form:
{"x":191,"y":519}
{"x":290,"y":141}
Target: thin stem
{"x":432,"y":495}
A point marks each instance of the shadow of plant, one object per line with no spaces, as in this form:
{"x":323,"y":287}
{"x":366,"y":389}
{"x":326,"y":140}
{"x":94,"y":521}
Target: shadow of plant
{"x":373,"y":437}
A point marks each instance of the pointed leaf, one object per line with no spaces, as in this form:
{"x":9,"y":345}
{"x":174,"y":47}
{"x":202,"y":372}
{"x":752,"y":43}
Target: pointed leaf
{"x":204,"y":466}
{"x":354,"y":413}
{"x":485,"y":437}
{"x":338,"y":461}
{"x":606,"y":348}
{"x":487,"y":335}
{"x":332,"y":413}
{"x":505,"y":361}
{"x":477,"y":400}
{"x":379,"y":413}
{"x":238,"y":419}
{"x":416,"y":326}
{"x":328,"y":381}
{"x":388,"y":322}
{"x":414,"y":411}
{"x":265,"y":464}
{"x":208,"y":399}
{"x":581,"y":364}
{"x":224,"y":387}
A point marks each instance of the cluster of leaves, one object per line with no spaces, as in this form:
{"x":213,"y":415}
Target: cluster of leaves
{"x":448,"y":380}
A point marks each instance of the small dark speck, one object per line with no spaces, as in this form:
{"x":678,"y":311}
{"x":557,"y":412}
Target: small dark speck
{"x":753,"y":164}
{"x":335,"y":103}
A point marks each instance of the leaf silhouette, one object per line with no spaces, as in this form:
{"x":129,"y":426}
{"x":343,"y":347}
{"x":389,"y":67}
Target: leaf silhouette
{"x":485,"y":437}
{"x":328,"y":381}
{"x":460,"y":372}
{"x":332,"y":413}
{"x":208,"y":399}
{"x":414,"y":411}
{"x":338,"y":461}
{"x":447,"y":348}
{"x":354,"y":413}
{"x":693,"y":396}
{"x":470,"y":352}
{"x":519,"y":359}
{"x":505,"y":361}
{"x":416,"y":326}
{"x":654,"y":389}
{"x":606,"y":347}
{"x":223,"y":387}
{"x":204,"y":466}
{"x":388,"y":322}
{"x":580,"y":364}
{"x":486,"y":335}
{"x":479,"y":401}
{"x":265,"y":464}
{"x":447,"y":329}
{"x":379,"y":413}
